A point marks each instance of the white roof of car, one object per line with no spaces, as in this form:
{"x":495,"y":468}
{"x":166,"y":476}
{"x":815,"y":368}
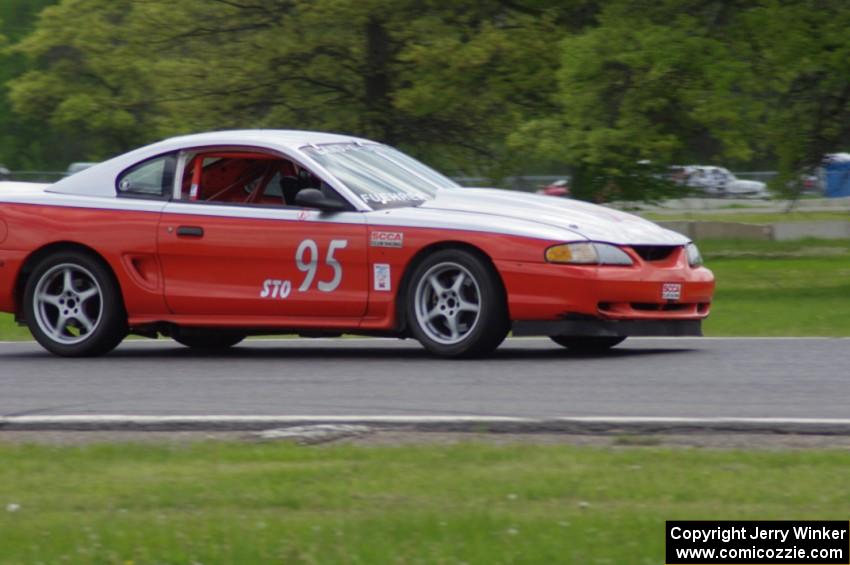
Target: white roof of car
{"x":292,"y":139}
{"x":99,"y":180}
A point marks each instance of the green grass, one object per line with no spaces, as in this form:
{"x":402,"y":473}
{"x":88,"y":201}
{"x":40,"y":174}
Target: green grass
{"x":274,"y":503}
{"x":779,"y":288}
{"x":764,"y":288}
{"x":754,"y":217}
{"x":9,"y":330}
{"x":721,"y":249}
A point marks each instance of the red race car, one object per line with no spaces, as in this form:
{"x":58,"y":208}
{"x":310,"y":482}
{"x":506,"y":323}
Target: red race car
{"x":213,"y":237}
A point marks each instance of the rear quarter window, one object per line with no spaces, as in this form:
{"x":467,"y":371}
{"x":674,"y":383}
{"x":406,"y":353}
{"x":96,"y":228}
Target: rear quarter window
{"x":153,"y":178}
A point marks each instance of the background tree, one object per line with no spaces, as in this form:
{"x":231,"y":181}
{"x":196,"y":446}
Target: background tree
{"x":615,"y":91}
{"x":801,"y":56}
{"x":739,"y":83}
{"x":24,"y":143}
{"x":448,"y":82}
{"x":653,"y":83}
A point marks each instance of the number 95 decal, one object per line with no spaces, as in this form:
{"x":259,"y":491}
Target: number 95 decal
{"x":310,"y":265}
{"x":307,"y":261}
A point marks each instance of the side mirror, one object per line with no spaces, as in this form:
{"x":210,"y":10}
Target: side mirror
{"x":313,"y":198}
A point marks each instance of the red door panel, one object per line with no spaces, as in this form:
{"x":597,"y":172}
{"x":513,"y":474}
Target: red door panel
{"x":254,"y":261}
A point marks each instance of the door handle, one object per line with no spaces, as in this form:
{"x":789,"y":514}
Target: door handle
{"x":190,"y":231}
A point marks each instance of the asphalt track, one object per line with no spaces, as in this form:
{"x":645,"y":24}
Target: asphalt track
{"x":526,"y":378}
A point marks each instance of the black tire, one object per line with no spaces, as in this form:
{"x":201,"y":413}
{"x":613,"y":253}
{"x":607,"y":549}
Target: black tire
{"x":206,"y":339}
{"x":471,"y":333}
{"x":587,"y":344}
{"x":81,"y":315}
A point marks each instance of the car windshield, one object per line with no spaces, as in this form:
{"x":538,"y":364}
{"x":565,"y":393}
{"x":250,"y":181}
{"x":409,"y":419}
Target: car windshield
{"x":379,"y":175}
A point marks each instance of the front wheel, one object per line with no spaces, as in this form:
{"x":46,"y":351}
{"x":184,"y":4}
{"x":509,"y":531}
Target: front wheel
{"x":587,"y":344}
{"x":456,"y":306}
{"x":73,"y":306}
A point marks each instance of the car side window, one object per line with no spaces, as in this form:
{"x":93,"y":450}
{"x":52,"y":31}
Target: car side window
{"x":243,"y":177}
{"x":153,"y":178}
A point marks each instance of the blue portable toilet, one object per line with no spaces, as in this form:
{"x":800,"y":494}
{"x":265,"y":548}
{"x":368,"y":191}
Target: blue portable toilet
{"x":837,"y":172}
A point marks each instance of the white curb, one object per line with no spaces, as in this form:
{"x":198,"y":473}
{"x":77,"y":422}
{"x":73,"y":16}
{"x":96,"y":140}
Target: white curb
{"x":470,"y":423}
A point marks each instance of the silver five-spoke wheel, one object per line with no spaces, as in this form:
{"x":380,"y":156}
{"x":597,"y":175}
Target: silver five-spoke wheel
{"x":448,"y":302}
{"x":68,"y":303}
{"x":73,"y":305}
{"x":455,"y":304}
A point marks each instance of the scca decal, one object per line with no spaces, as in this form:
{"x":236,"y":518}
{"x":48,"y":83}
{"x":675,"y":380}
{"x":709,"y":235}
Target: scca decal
{"x":386,"y":239}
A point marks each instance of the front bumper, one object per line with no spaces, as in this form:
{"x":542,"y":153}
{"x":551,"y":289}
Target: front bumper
{"x":607,"y":328}
{"x":551,"y":292}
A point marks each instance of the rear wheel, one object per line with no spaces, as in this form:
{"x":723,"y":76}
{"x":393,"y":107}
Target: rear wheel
{"x":456,"y":306}
{"x":73,"y":305}
{"x":209,"y":340}
{"x":587,"y":344}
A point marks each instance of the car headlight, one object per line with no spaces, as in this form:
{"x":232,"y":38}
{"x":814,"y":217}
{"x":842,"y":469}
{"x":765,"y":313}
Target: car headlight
{"x":694,"y":257}
{"x":587,"y":253}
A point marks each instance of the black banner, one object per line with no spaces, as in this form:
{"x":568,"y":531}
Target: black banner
{"x":760,"y":543}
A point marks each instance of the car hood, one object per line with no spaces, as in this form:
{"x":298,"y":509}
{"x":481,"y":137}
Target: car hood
{"x":546,"y":217}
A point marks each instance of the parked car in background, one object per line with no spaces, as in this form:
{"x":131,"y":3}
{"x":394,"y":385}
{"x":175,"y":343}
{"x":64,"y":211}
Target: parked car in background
{"x":77,"y":167}
{"x":4,"y":173}
{"x":811,"y":181}
{"x":718,"y":181}
{"x":558,"y":188}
